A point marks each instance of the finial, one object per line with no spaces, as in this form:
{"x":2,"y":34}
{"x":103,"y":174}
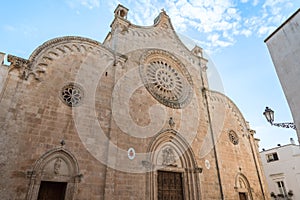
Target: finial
{"x":62,"y":142}
{"x":171,"y":122}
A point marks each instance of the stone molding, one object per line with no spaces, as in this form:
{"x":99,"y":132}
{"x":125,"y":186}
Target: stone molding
{"x":242,"y":185}
{"x":55,"y":165}
{"x":185,"y":163}
{"x":66,"y":39}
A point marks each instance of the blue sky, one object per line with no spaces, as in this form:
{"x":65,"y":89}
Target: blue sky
{"x":232,"y":32}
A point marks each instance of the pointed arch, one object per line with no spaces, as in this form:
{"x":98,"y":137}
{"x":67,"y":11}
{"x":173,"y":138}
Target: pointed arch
{"x":169,"y":151}
{"x":56,"y":165}
{"x":242,"y":185}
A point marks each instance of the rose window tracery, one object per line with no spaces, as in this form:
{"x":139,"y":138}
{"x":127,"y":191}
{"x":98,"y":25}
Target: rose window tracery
{"x":166,"y":78}
{"x":72,"y":94}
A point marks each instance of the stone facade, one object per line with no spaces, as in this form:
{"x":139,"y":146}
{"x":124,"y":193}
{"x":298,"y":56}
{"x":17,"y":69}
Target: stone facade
{"x":130,"y":118}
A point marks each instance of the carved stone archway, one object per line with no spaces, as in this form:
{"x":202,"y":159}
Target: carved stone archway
{"x":170,"y":152}
{"x":242,"y":186}
{"x":56,"y":165}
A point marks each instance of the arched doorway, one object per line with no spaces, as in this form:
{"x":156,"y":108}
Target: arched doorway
{"x":242,"y":187}
{"x":174,"y":173}
{"x":54,"y":176}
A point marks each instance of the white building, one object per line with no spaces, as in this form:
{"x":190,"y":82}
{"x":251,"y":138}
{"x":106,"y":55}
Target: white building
{"x":284,"y":48}
{"x":282,"y":170}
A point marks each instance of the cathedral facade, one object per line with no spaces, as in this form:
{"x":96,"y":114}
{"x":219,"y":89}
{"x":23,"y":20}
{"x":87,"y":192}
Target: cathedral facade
{"x":130,"y":118}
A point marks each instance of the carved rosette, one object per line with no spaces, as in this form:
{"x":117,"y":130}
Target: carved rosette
{"x":166,"y":78}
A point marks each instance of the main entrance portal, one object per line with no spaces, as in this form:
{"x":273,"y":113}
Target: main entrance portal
{"x":170,"y":186}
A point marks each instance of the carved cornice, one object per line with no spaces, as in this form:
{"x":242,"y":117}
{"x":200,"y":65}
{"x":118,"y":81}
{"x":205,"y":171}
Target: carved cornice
{"x":52,"y":50}
{"x":25,"y":67}
{"x":62,"y":40}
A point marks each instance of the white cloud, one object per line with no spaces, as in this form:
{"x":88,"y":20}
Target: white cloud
{"x":246,"y":32}
{"x":216,"y":22}
{"x":9,"y":28}
{"x":90,"y":4}
{"x":255,"y":2}
{"x":263,"y":30}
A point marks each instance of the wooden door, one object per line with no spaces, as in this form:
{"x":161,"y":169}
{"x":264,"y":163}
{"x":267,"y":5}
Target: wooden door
{"x":242,"y":196}
{"x":170,"y":186}
{"x":52,"y":190}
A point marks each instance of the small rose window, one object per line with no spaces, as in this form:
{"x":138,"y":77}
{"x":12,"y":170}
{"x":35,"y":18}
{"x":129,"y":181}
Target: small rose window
{"x":233,"y":137}
{"x":72,"y":94}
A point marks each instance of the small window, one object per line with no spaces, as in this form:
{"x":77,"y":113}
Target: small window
{"x":72,"y":94}
{"x":233,"y":137}
{"x":272,"y":157}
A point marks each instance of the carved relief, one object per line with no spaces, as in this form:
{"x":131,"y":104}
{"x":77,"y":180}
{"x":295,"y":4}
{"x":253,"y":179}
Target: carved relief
{"x":168,"y":150}
{"x":57,"y":166}
{"x":169,"y":157}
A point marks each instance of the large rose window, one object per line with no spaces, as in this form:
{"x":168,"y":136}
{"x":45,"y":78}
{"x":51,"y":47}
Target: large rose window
{"x":166,"y":78}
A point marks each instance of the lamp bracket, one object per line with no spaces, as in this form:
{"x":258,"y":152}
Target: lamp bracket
{"x":285,"y":125}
